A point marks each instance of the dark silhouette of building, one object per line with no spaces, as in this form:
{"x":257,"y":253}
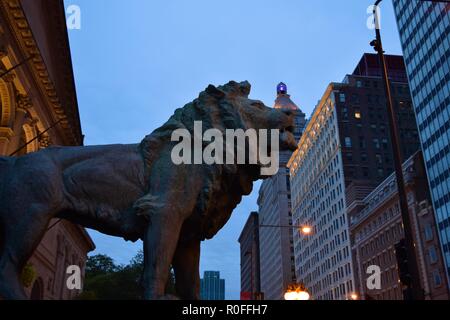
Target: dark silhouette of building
{"x":211,"y":286}
{"x":250,"y":267}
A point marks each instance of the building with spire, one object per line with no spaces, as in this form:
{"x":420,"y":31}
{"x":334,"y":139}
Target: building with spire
{"x":277,"y":268}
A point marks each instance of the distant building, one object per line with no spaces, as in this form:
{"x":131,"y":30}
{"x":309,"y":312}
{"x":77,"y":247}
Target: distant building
{"x":211,"y":286}
{"x":276,"y":243}
{"x":39,"y":95}
{"x":250,"y":266}
{"x":376,"y":227}
{"x":344,"y":153}
{"x":424,"y":29}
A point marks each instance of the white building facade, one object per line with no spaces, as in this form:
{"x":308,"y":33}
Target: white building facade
{"x":323,"y":259}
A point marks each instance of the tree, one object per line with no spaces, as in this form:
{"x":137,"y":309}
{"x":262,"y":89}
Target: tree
{"x":107,"y":281}
{"x":100,"y":264}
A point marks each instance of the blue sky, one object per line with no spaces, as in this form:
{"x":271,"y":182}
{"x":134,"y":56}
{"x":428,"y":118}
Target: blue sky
{"x":136,"y":61}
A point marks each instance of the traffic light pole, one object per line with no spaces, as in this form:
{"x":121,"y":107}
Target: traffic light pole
{"x":413,"y":287}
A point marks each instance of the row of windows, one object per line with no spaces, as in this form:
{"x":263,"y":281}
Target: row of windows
{"x":387,"y":216}
{"x":439,"y":156}
{"x":417,"y":30}
{"x":438,"y":64}
{"x":363,"y":157}
{"x":404,"y":13}
{"x":386,"y":238}
{"x":377,"y":143}
{"x":434,"y":90}
{"x":314,"y":191}
{"x":435,"y":113}
{"x":437,"y":134}
{"x":442,"y":201}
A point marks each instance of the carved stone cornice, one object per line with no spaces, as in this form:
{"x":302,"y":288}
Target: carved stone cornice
{"x":15,"y":17}
{"x":23,"y":102}
{"x":6,"y":132}
{"x":44,"y":141}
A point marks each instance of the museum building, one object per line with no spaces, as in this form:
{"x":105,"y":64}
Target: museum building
{"x":38,"y":108}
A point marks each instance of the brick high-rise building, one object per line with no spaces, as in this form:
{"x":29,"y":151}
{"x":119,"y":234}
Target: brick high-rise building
{"x":424,"y":28}
{"x":343,"y":154}
{"x":250,"y":269}
{"x":276,"y":243}
{"x":376,"y":228}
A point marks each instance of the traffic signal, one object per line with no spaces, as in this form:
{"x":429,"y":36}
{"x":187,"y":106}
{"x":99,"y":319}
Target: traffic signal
{"x":401,"y":254}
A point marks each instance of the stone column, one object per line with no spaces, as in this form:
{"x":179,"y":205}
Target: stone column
{"x":5,"y":136}
{"x":23,"y":104}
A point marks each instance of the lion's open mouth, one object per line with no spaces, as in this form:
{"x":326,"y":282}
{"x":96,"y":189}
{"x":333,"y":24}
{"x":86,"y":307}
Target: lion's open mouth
{"x":287,"y":139}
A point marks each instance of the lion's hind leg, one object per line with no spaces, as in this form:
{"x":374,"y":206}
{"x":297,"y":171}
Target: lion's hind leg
{"x":186,"y":265}
{"x":21,"y":235}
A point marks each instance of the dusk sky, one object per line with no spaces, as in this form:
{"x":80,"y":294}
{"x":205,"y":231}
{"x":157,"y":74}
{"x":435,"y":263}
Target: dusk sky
{"x":136,"y":61}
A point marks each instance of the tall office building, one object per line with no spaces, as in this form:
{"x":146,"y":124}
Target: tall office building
{"x":211,"y":286}
{"x":343,"y":154}
{"x":425,"y":36}
{"x":249,"y":244}
{"x":276,"y":243}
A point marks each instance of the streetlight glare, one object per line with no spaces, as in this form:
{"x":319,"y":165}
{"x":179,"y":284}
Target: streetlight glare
{"x":298,"y":296}
{"x":297,"y":292}
{"x":354,"y":296}
{"x":306,"y":230}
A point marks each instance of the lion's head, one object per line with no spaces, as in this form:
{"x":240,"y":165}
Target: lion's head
{"x":250,"y":114}
{"x":224,"y":107}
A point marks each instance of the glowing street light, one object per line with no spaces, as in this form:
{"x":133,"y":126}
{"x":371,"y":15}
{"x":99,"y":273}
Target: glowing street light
{"x":297,"y":292}
{"x":354,"y":296}
{"x":306,"y":230}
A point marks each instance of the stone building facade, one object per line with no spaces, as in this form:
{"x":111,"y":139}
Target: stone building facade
{"x":38,"y":108}
{"x":376,"y":227}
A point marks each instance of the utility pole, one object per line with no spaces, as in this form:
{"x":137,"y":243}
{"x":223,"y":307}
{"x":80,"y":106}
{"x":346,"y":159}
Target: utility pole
{"x":411,"y":280}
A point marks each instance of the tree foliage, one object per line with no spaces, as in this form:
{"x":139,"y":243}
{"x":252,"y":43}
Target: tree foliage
{"x":104,"y":280}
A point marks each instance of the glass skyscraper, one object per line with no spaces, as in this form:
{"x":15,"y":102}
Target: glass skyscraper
{"x":212,"y":287}
{"x":424,"y":29}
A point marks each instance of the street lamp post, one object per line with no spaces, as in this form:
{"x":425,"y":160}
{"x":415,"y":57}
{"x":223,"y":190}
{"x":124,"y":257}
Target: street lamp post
{"x":305,"y":230}
{"x":414,"y":290}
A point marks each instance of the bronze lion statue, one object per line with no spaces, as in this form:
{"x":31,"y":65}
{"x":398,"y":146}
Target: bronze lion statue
{"x":136,"y":192}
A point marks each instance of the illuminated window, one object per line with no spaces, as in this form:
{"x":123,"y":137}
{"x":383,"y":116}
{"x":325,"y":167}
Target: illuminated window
{"x":348,"y":142}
